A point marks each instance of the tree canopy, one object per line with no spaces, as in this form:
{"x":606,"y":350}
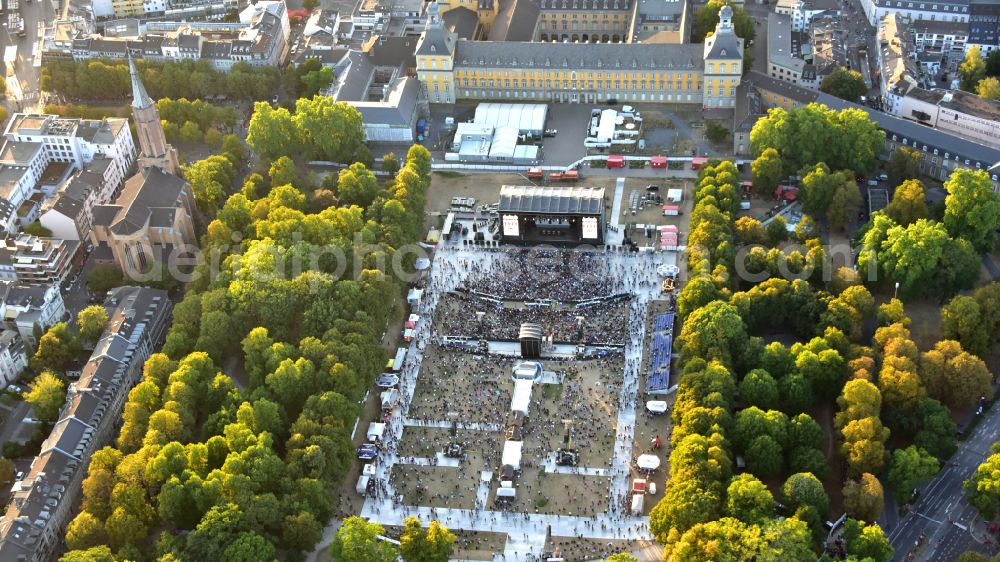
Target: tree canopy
{"x":811,"y":134}
{"x":845,"y":84}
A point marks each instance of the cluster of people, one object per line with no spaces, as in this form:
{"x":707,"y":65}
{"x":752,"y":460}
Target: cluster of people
{"x":463,"y":384}
{"x":601,"y":324}
{"x":545,"y":273}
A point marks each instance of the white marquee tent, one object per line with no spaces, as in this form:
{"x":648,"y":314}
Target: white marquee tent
{"x":512,"y":454}
{"x":525,"y":117}
{"x":522,"y":396}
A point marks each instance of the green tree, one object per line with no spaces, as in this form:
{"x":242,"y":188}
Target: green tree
{"x":993,"y":63}
{"x":316,"y":81}
{"x":331,"y":129}
{"x":91,"y":322}
{"x":249,"y":547}
{"x":707,"y":18}
{"x":845,"y":84}
{"x":621,"y":557}
{"x":433,"y":544}
{"x":95,"y":554}
{"x":768,"y":169}
{"x":717,"y":133}
{"x":85,"y":531}
{"x":963,"y":320}
{"x":750,"y":231}
{"x":864,"y":498}
{"x":357,"y":541}
{"x":955,"y":377}
{"x":715,"y":331}
{"x":213,"y":137}
{"x":972,"y":69}
{"x":103,"y":278}
{"x":904,"y":164}
{"x":972,"y":208}
{"x":864,"y":445}
{"x":764,"y":457}
{"x":989,"y":88}
{"x":804,"y":489}
{"x":390,"y":164}
{"x":283,"y":172}
{"x":190,"y":132}
{"x":758,"y":388}
{"x":272,"y":133}
{"x":777,"y":230}
{"x":57,"y":348}
{"x":749,"y":500}
{"x":810,"y":134}
{"x":909,"y":467}
{"x":46,"y":394}
{"x":866,"y":541}
{"x":908,"y":204}
{"x":818,"y":188}
{"x":356,"y":185}
{"x":844,"y":205}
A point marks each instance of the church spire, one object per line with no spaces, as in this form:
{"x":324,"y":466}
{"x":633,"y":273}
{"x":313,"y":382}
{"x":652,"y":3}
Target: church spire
{"x":140,"y":99}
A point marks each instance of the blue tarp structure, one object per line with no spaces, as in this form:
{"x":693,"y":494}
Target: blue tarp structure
{"x":367,"y":452}
{"x":658,"y":377}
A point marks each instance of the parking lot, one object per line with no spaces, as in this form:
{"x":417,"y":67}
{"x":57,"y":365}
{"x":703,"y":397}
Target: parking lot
{"x":668,"y":130}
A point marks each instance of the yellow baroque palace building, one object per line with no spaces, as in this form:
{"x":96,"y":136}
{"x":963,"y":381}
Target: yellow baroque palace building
{"x":451,"y":69}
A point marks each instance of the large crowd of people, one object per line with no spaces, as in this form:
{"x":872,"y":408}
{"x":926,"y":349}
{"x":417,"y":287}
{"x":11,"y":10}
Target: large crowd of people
{"x":603,"y":323}
{"x":546,"y":273}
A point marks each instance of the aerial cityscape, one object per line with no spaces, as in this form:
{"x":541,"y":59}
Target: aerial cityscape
{"x":500,"y":280}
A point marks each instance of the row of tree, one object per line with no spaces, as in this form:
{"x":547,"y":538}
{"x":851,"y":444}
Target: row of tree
{"x":104,"y":79}
{"x":706,"y":513}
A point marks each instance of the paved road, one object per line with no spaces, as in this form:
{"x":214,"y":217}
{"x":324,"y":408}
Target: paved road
{"x":942,"y":513}
{"x":33,"y":13}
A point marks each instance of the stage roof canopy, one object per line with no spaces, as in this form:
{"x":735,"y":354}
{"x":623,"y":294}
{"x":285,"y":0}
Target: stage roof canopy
{"x":552,"y":200}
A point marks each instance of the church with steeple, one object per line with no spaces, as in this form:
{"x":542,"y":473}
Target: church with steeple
{"x":153,"y":147}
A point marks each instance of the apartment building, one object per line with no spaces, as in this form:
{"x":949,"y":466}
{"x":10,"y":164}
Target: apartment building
{"x":984,"y":25}
{"x":34,"y":141}
{"x":69,"y":214}
{"x":782,"y":62}
{"x":944,"y":37}
{"x":38,"y":261}
{"x":260,"y":38}
{"x":23,"y":307}
{"x":933,"y":10}
{"x":42,"y":502}
{"x":13,"y":357}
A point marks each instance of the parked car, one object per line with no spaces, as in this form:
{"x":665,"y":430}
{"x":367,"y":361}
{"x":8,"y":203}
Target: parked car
{"x":551,"y":132}
{"x":15,"y":388}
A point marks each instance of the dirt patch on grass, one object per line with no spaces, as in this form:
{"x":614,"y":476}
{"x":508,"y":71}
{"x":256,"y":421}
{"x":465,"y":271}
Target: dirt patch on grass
{"x":574,"y":549}
{"x":560,"y":494}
